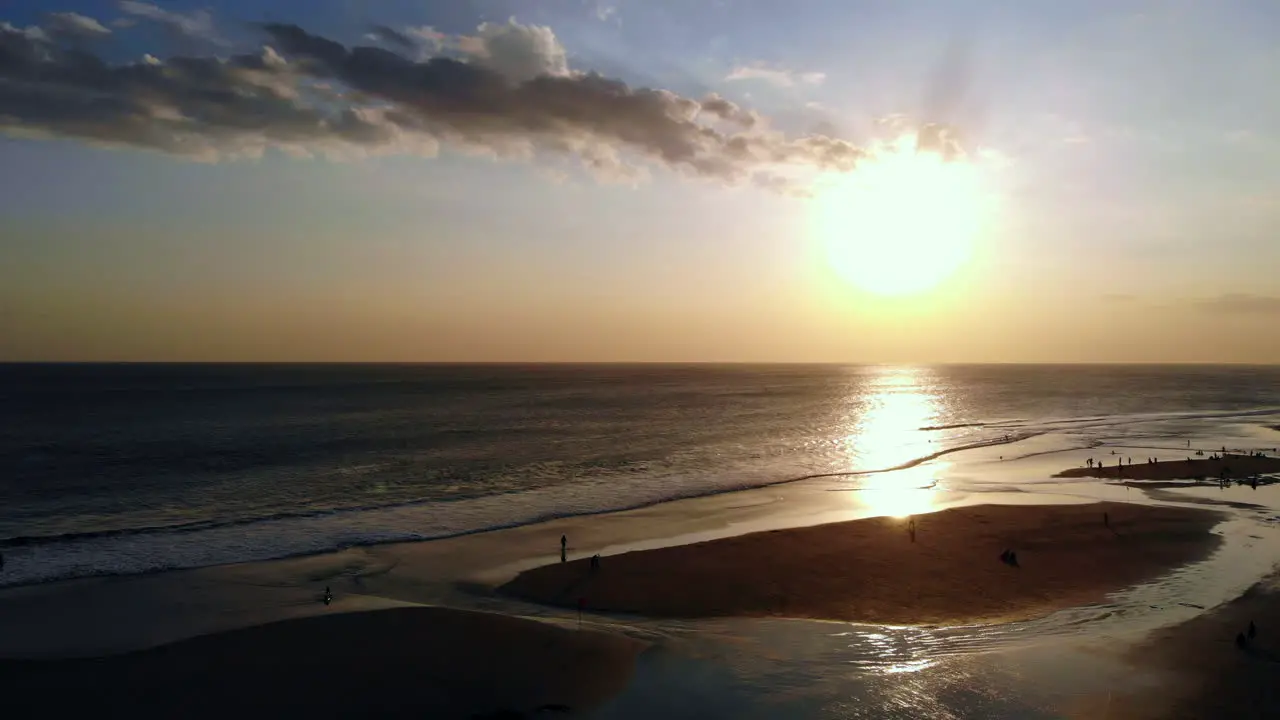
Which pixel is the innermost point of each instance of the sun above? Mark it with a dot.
(903, 222)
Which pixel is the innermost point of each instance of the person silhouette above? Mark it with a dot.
(564, 546)
(328, 595)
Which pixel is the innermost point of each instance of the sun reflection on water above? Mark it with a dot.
(906, 492)
(887, 431)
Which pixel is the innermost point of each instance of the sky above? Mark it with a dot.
(618, 180)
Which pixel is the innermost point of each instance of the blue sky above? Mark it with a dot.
(1131, 146)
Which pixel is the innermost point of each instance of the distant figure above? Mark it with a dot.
(911, 528)
(1241, 642)
(1253, 630)
(1106, 520)
(564, 546)
(328, 595)
(1, 562)
(1013, 558)
(1089, 462)
(1188, 443)
(595, 563)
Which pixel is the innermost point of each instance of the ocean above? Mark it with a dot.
(131, 468)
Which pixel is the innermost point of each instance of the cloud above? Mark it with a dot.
(1240, 304)
(506, 91)
(197, 24)
(517, 52)
(775, 76)
(71, 24)
(608, 13)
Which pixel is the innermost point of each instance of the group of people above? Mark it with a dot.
(564, 554)
(1244, 638)
(1009, 557)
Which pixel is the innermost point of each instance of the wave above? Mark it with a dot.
(953, 426)
(291, 534)
(204, 525)
(133, 550)
(200, 525)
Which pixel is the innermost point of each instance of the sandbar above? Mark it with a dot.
(1235, 467)
(405, 662)
(871, 570)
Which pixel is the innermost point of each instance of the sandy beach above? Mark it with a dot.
(408, 662)
(870, 570)
(1235, 467)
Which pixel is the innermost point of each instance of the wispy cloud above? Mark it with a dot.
(1240, 304)
(780, 77)
(75, 25)
(197, 24)
(606, 12)
(505, 90)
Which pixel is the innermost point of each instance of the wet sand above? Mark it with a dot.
(870, 570)
(1206, 674)
(1236, 467)
(406, 662)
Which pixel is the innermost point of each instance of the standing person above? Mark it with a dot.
(911, 528)
(564, 545)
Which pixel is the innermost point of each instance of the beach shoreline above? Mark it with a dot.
(157, 612)
(873, 570)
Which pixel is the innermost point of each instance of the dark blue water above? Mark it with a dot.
(127, 468)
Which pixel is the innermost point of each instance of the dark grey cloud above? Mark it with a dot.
(1240, 304)
(507, 90)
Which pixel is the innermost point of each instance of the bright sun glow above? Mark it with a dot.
(903, 222)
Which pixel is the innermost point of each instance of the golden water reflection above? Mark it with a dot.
(906, 492)
(886, 432)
